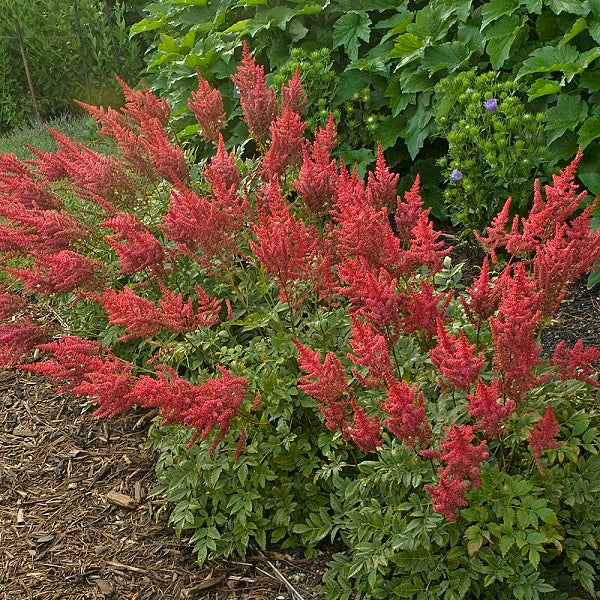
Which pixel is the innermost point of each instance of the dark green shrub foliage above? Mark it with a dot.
(319, 369)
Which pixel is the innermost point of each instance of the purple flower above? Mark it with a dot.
(455, 175)
(491, 105)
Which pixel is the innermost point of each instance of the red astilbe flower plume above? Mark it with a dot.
(172, 394)
(516, 351)
(99, 177)
(408, 211)
(326, 382)
(484, 407)
(222, 170)
(495, 234)
(456, 358)
(408, 420)
(207, 224)
(39, 231)
(541, 437)
(20, 184)
(207, 105)
(140, 316)
(285, 246)
(293, 96)
(363, 231)
(482, 299)
(448, 496)
(137, 249)
(216, 403)
(141, 105)
(64, 271)
(372, 294)
(130, 143)
(259, 103)
(167, 157)
(179, 315)
(316, 183)
(423, 308)
(73, 358)
(425, 247)
(110, 386)
(575, 363)
(10, 304)
(287, 135)
(371, 351)
(18, 339)
(366, 432)
(382, 184)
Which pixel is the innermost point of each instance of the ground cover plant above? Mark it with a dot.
(319, 368)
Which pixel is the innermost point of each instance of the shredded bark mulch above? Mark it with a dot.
(77, 521)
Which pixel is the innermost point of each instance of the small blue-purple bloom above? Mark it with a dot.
(491, 105)
(455, 175)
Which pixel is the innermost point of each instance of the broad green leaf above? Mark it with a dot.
(497, 8)
(568, 113)
(405, 44)
(590, 80)
(587, 58)
(349, 29)
(416, 81)
(449, 55)
(279, 16)
(543, 87)
(297, 30)
(589, 131)
(594, 29)
(462, 9)
(143, 26)
(502, 36)
(579, 26)
(239, 26)
(532, 6)
(419, 126)
(595, 7)
(549, 59)
(169, 44)
(575, 7)
(371, 65)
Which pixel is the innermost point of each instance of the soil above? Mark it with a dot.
(77, 521)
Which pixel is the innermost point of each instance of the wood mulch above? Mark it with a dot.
(77, 521)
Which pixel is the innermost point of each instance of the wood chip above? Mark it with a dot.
(122, 500)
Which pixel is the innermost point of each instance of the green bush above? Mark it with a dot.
(319, 368)
(396, 52)
(72, 50)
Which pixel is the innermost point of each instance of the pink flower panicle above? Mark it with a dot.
(64, 271)
(425, 247)
(259, 103)
(541, 437)
(456, 358)
(382, 184)
(408, 420)
(222, 170)
(207, 105)
(18, 338)
(366, 430)
(462, 461)
(370, 351)
(73, 358)
(408, 211)
(575, 363)
(293, 96)
(137, 249)
(318, 173)
(287, 135)
(10, 304)
(372, 294)
(216, 404)
(326, 382)
(423, 308)
(142, 105)
(285, 246)
(179, 315)
(482, 299)
(484, 407)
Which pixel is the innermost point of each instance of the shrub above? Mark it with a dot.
(318, 367)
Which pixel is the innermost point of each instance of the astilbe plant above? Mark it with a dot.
(317, 370)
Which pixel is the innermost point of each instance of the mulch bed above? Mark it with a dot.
(76, 519)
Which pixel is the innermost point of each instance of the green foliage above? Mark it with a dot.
(398, 51)
(497, 153)
(72, 50)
